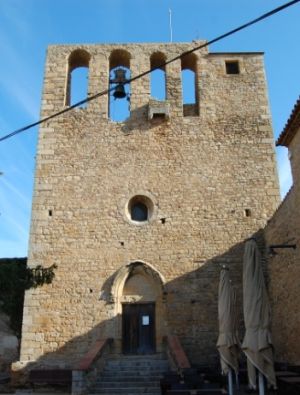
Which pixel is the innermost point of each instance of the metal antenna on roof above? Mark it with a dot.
(170, 21)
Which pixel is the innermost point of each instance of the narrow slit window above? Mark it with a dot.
(247, 212)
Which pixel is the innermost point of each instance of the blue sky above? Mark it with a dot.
(28, 27)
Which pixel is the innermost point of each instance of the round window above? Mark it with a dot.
(140, 209)
(139, 212)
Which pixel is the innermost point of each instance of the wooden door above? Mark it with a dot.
(139, 328)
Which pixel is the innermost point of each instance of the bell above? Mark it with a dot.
(119, 92)
(120, 75)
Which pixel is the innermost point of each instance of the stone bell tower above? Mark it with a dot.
(138, 214)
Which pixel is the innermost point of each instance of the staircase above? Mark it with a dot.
(132, 375)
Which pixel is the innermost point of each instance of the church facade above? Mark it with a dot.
(139, 215)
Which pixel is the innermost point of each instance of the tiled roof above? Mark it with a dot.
(291, 126)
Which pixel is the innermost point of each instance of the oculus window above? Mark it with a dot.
(140, 209)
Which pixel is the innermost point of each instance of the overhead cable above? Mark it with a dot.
(106, 91)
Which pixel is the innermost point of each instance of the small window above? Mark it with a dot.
(139, 212)
(232, 67)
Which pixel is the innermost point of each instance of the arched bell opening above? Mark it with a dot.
(158, 79)
(138, 295)
(119, 86)
(190, 91)
(78, 77)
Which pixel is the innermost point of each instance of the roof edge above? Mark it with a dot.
(291, 127)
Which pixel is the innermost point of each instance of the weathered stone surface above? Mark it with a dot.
(201, 174)
(284, 268)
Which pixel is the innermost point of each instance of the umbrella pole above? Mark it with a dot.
(261, 384)
(230, 382)
(237, 383)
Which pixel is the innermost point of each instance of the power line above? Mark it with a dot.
(106, 91)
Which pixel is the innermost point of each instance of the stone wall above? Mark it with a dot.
(211, 180)
(294, 152)
(284, 268)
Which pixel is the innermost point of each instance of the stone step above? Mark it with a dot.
(128, 390)
(111, 384)
(156, 356)
(131, 375)
(134, 364)
(128, 393)
(132, 372)
(138, 371)
(127, 378)
(145, 370)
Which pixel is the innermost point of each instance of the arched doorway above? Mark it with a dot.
(138, 291)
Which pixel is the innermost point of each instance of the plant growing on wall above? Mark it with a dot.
(15, 278)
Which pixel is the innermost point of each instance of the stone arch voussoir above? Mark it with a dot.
(128, 270)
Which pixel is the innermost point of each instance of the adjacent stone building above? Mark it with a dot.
(284, 267)
(139, 215)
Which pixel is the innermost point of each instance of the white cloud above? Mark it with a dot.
(23, 197)
(21, 232)
(12, 81)
(13, 71)
(14, 225)
(20, 93)
(15, 14)
(3, 125)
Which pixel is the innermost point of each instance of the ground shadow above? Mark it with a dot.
(191, 313)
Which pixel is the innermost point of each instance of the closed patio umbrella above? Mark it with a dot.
(228, 342)
(257, 343)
